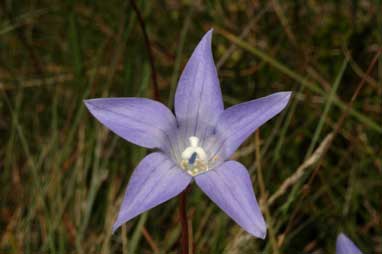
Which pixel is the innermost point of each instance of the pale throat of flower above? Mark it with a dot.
(194, 158)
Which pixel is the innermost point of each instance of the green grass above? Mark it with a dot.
(63, 175)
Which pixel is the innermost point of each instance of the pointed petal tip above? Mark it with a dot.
(285, 95)
(116, 226)
(258, 230)
(207, 38)
(341, 235)
(86, 101)
(89, 102)
(262, 234)
(261, 229)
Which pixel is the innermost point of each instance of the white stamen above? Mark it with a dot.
(194, 148)
(197, 165)
(194, 141)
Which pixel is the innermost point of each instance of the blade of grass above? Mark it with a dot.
(137, 234)
(283, 132)
(328, 104)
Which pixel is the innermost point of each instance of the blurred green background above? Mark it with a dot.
(63, 174)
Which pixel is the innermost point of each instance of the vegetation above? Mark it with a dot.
(63, 175)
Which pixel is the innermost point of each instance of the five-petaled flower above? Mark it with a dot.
(195, 144)
(345, 246)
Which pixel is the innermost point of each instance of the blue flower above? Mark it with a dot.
(345, 246)
(195, 144)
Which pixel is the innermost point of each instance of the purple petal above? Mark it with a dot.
(155, 180)
(141, 121)
(230, 187)
(238, 122)
(198, 99)
(345, 246)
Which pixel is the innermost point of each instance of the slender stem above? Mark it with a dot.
(183, 220)
(149, 49)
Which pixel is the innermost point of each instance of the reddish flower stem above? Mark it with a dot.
(183, 221)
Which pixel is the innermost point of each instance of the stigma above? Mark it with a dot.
(194, 158)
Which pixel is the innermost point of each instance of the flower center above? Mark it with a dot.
(194, 158)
